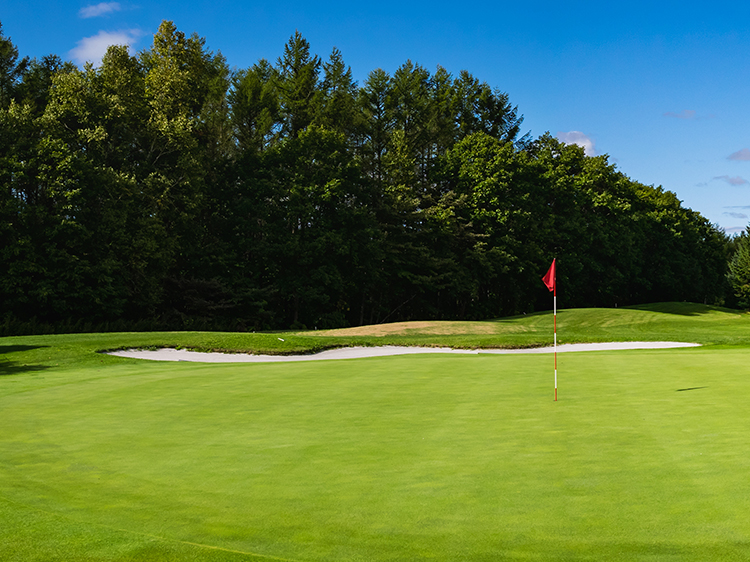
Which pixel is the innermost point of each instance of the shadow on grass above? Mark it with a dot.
(18, 348)
(10, 367)
(682, 308)
(16, 368)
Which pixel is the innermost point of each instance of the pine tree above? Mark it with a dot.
(739, 270)
(11, 69)
(298, 86)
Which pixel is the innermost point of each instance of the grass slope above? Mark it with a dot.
(644, 457)
(666, 321)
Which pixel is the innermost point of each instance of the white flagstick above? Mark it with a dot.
(555, 314)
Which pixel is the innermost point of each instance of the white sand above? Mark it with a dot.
(361, 352)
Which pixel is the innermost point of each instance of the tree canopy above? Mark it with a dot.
(163, 189)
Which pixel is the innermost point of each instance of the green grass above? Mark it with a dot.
(644, 457)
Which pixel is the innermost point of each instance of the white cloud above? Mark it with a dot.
(736, 180)
(742, 155)
(99, 9)
(735, 215)
(579, 138)
(92, 49)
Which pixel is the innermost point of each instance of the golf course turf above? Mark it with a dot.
(645, 456)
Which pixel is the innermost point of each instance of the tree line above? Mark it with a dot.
(166, 190)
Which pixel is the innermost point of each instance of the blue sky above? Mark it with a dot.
(661, 87)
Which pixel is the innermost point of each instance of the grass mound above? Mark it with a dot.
(662, 321)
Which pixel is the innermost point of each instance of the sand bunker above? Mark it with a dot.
(383, 351)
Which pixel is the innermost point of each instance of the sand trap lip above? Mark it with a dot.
(168, 354)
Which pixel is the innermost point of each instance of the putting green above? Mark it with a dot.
(645, 457)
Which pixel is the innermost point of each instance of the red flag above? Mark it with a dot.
(551, 279)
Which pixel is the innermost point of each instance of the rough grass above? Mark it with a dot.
(645, 456)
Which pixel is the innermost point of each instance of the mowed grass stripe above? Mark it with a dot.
(403, 458)
(70, 522)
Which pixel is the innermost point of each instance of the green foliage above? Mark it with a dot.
(298, 87)
(164, 190)
(11, 69)
(739, 270)
(338, 111)
(255, 107)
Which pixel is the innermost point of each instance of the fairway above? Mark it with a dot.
(644, 457)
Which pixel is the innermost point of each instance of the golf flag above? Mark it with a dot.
(550, 279)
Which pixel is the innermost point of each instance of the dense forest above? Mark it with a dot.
(166, 190)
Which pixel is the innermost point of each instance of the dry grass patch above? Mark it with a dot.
(431, 328)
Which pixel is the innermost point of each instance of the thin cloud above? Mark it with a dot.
(688, 115)
(737, 207)
(97, 10)
(736, 180)
(684, 114)
(735, 215)
(92, 49)
(734, 229)
(579, 138)
(741, 155)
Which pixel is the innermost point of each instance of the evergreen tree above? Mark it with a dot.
(411, 103)
(338, 111)
(254, 103)
(11, 69)
(739, 270)
(377, 122)
(299, 91)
